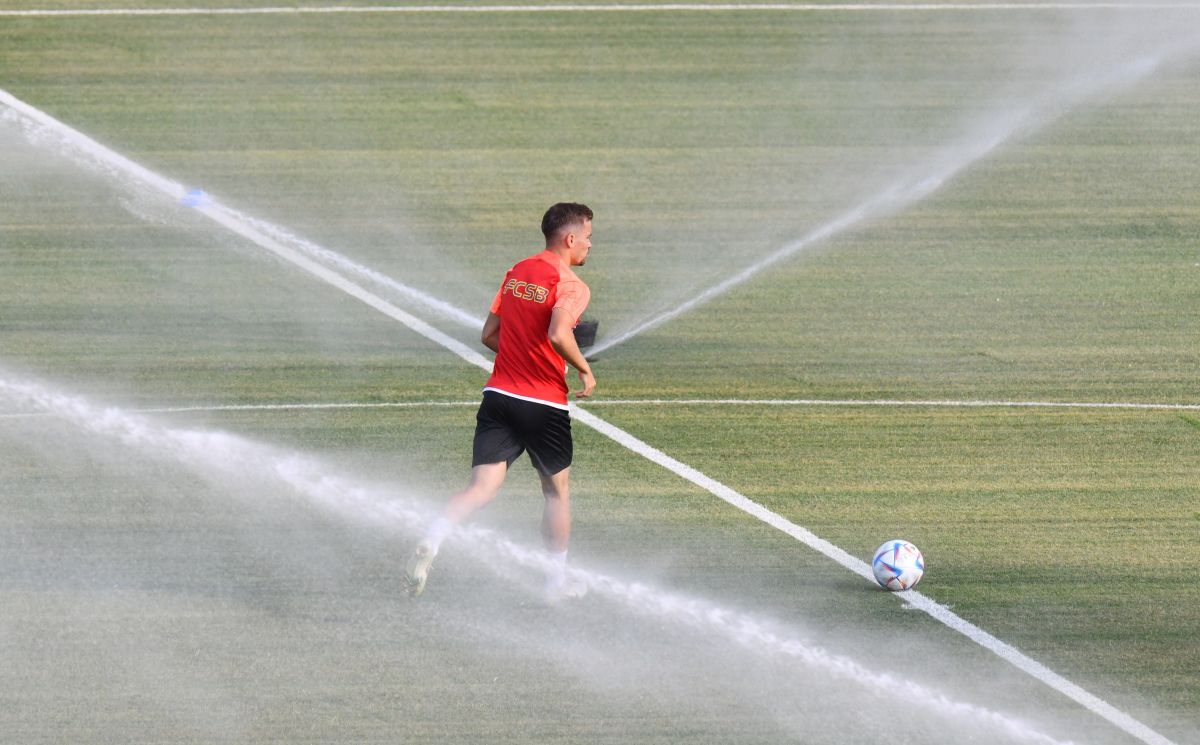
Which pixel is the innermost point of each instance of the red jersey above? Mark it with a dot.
(527, 366)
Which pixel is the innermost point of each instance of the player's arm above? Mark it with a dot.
(491, 333)
(562, 337)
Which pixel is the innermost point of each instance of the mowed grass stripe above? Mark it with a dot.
(299, 406)
(591, 8)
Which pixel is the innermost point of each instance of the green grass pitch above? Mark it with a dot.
(144, 601)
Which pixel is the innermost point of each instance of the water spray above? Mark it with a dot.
(912, 189)
(397, 513)
(42, 130)
(210, 452)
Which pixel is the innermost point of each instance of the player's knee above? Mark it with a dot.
(485, 493)
(553, 485)
(556, 491)
(479, 494)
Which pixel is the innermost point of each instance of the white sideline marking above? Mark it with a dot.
(849, 402)
(237, 224)
(814, 402)
(592, 8)
(439, 307)
(240, 225)
(270, 407)
(295, 407)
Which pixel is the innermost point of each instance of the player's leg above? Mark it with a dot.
(556, 533)
(485, 483)
(496, 445)
(556, 515)
(494, 449)
(551, 449)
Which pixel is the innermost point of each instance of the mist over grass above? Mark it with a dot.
(411, 150)
(1062, 63)
(249, 544)
(702, 154)
(156, 304)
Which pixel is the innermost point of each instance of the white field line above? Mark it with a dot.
(425, 300)
(602, 8)
(798, 402)
(219, 452)
(271, 407)
(238, 225)
(849, 402)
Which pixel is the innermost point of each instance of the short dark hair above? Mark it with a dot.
(561, 215)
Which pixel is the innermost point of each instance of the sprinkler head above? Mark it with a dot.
(585, 333)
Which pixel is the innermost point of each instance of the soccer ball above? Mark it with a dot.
(898, 565)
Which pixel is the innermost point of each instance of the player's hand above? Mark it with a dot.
(589, 384)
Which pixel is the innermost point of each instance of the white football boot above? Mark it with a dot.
(417, 570)
(563, 586)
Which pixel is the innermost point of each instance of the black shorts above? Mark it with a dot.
(505, 427)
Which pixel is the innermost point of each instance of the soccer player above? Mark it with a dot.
(531, 330)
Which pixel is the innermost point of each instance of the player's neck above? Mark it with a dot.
(562, 252)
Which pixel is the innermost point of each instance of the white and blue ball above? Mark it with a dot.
(898, 565)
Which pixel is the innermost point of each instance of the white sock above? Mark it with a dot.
(558, 567)
(438, 530)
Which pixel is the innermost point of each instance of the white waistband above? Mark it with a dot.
(555, 404)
